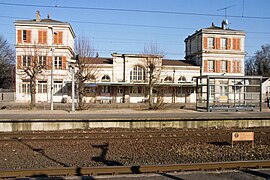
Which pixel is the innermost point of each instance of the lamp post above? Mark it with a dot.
(73, 88)
(52, 68)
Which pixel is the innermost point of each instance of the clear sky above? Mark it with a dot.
(126, 26)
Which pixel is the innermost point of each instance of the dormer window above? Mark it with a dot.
(182, 79)
(168, 79)
(106, 78)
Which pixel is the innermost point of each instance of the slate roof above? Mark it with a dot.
(98, 60)
(167, 62)
(46, 20)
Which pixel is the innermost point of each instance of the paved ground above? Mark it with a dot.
(16, 111)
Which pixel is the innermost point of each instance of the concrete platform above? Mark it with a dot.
(17, 119)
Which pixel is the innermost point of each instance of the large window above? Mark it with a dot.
(223, 43)
(223, 90)
(224, 66)
(42, 60)
(58, 62)
(210, 42)
(25, 88)
(211, 65)
(42, 86)
(26, 61)
(105, 89)
(137, 74)
(57, 87)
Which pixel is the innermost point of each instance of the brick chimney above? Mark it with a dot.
(38, 16)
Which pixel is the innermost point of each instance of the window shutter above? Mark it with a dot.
(64, 62)
(229, 41)
(237, 44)
(205, 66)
(234, 44)
(217, 43)
(55, 39)
(238, 66)
(60, 38)
(39, 37)
(217, 67)
(205, 43)
(234, 67)
(19, 36)
(19, 62)
(49, 63)
(44, 37)
(229, 67)
(28, 36)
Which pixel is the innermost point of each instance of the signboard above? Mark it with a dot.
(243, 136)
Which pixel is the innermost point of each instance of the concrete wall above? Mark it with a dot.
(7, 96)
(51, 126)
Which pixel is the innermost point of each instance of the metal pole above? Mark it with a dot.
(73, 90)
(52, 68)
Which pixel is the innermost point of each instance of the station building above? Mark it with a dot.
(122, 77)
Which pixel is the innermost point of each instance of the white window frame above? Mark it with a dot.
(210, 42)
(58, 62)
(137, 74)
(224, 65)
(25, 87)
(26, 61)
(42, 87)
(42, 60)
(57, 87)
(211, 65)
(223, 43)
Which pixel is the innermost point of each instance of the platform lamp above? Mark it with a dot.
(52, 64)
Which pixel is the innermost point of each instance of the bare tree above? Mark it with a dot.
(32, 67)
(250, 69)
(86, 68)
(7, 61)
(152, 63)
(260, 63)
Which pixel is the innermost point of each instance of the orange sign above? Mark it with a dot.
(243, 136)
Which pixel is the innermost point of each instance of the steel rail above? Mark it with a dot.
(124, 136)
(113, 170)
(127, 133)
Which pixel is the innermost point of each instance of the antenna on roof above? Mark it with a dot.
(225, 9)
(225, 21)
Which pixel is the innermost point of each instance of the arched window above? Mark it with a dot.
(137, 74)
(182, 79)
(168, 79)
(105, 78)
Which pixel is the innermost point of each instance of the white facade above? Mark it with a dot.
(37, 38)
(122, 77)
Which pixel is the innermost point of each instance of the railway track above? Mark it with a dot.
(115, 170)
(156, 134)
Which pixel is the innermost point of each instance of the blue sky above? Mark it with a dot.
(129, 31)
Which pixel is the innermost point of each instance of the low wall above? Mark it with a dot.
(53, 126)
